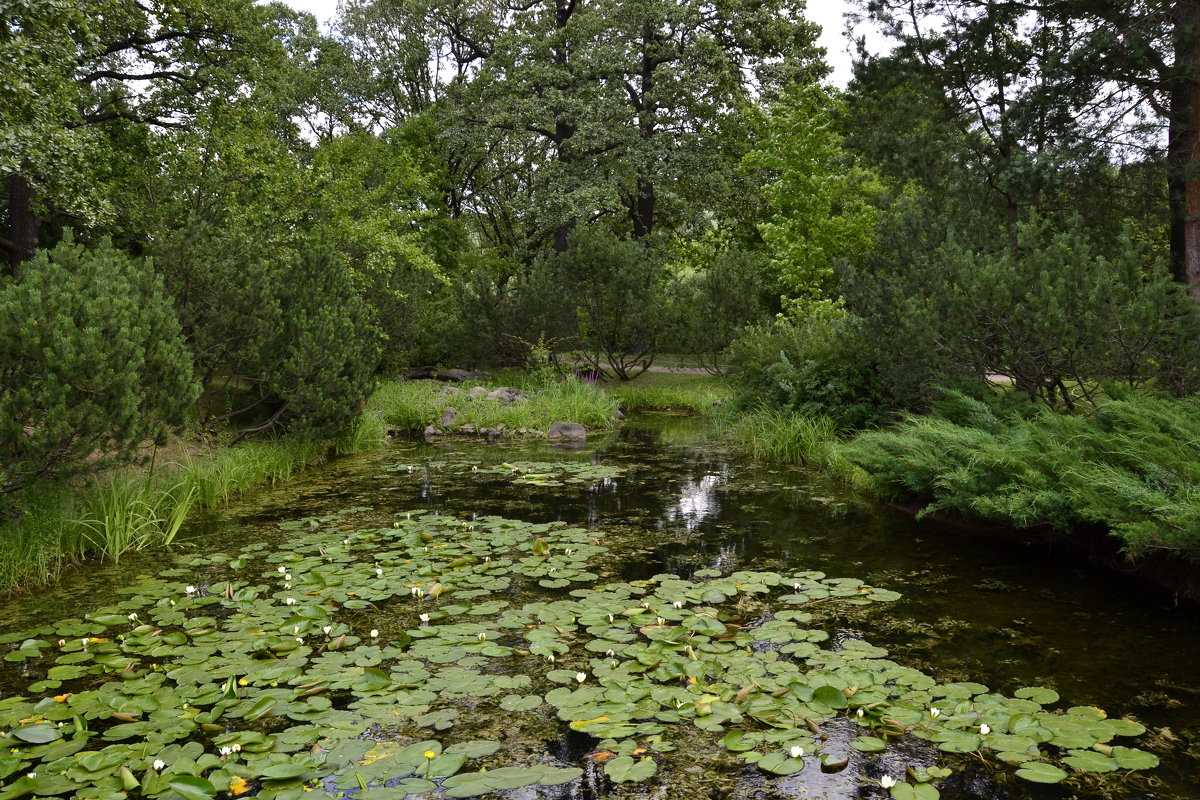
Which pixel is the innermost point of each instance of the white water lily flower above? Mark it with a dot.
(550, 658)
(85, 641)
(347, 541)
(291, 601)
(225, 751)
(133, 616)
(287, 586)
(287, 576)
(645, 605)
(424, 618)
(282, 569)
(379, 572)
(487, 559)
(189, 590)
(568, 551)
(328, 629)
(610, 617)
(662, 621)
(678, 604)
(935, 712)
(609, 653)
(482, 636)
(31, 775)
(859, 713)
(62, 642)
(300, 639)
(374, 633)
(158, 764)
(795, 587)
(395, 524)
(235, 747)
(416, 591)
(985, 729)
(581, 676)
(796, 751)
(887, 781)
(295, 629)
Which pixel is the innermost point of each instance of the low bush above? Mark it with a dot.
(813, 364)
(92, 363)
(1129, 464)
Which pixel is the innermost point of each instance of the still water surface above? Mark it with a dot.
(986, 611)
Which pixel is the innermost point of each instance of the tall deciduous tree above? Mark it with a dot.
(81, 69)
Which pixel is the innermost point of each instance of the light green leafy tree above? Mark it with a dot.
(821, 207)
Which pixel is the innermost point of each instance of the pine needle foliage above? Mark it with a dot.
(1129, 464)
(92, 362)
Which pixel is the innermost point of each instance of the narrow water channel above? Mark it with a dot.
(984, 611)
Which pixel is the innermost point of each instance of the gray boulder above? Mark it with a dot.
(567, 430)
(505, 394)
(459, 375)
(432, 431)
(448, 415)
(476, 392)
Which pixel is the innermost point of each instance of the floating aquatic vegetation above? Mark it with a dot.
(361, 659)
(534, 473)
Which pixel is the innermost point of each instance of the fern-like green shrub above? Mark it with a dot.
(1132, 464)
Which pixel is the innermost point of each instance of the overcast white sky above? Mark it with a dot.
(826, 13)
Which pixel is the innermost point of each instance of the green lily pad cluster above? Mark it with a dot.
(546, 473)
(361, 660)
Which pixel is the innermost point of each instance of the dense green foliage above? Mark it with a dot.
(1055, 313)
(1129, 464)
(998, 203)
(91, 362)
(815, 363)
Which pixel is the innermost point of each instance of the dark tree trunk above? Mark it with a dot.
(643, 209)
(23, 224)
(1183, 148)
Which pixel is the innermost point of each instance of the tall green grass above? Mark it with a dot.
(221, 476)
(63, 525)
(412, 405)
(783, 437)
(662, 391)
(130, 513)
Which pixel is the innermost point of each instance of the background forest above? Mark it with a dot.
(217, 213)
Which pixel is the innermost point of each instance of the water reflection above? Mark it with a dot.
(697, 502)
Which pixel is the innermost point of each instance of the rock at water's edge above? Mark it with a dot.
(567, 430)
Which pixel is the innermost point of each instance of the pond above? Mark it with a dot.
(645, 617)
